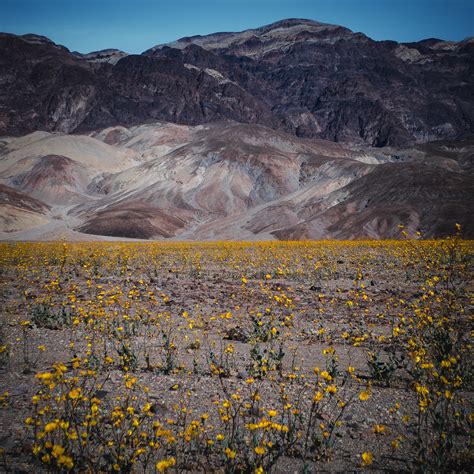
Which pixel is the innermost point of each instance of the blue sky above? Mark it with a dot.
(136, 25)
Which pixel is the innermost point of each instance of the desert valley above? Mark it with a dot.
(241, 252)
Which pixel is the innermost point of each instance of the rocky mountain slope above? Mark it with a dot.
(303, 77)
(227, 180)
(295, 130)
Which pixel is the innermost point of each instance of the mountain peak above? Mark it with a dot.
(256, 42)
(290, 22)
(37, 39)
(110, 55)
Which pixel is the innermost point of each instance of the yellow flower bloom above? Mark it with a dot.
(57, 450)
(50, 427)
(363, 396)
(44, 376)
(260, 450)
(325, 375)
(229, 453)
(75, 393)
(162, 466)
(66, 462)
(318, 397)
(367, 458)
(379, 429)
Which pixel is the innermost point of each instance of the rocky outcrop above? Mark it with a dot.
(111, 56)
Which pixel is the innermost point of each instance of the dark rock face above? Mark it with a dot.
(43, 87)
(303, 77)
(143, 88)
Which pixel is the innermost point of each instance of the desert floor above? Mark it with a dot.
(236, 357)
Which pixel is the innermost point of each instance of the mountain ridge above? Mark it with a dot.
(303, 77)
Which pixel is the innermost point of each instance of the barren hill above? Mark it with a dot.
(227, 180)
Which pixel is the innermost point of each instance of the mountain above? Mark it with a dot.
(111, 56)
(295, 130)
(306, 78)
(228, 180)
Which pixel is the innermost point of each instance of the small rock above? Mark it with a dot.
(235, 333)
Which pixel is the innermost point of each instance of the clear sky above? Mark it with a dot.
(136, 25)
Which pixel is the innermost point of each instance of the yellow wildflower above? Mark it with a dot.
(367, 458)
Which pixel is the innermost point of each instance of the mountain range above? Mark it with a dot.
(295, 130)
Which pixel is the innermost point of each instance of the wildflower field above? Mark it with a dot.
(236, 357)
